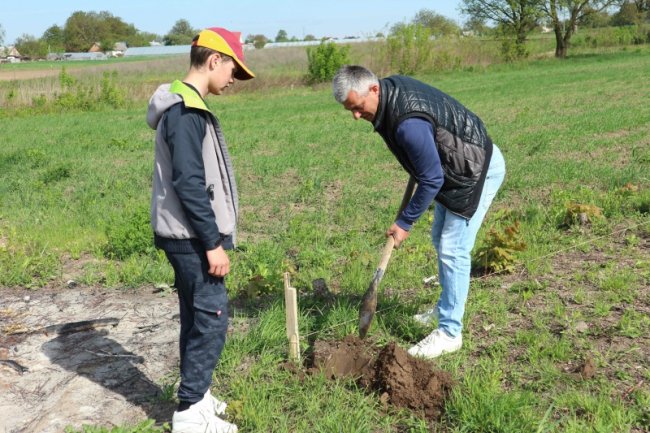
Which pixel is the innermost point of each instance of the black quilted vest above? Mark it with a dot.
(463, 144)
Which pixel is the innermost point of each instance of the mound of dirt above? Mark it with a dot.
(401, 380)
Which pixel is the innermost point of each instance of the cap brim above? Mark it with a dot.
(243, 73)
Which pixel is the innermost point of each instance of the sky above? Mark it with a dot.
(335, 18)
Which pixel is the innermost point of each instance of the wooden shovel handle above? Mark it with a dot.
(390, 242)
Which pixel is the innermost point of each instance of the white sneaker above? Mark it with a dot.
(435, 344)
(199, 418)
(218, 406)
(427, 317)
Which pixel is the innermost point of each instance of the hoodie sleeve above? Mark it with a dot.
(185, 129)
(415, 136)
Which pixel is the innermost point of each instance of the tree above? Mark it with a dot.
(310, 38)
(29, 46)
(642, 6)
(630, 13)
(259, 41)
(595, 19)
(477, 26)
(181, 33)
(437, 24)
(81, 31)
(144, 39)
(2, 35)
(514, 17)
(565, 15)
(281, 36)
(53, 38)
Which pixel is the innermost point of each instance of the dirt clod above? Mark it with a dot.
(397, 377)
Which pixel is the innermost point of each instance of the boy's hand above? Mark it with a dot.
(218, 262)
(398, 234)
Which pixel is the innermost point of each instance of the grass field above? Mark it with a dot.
(318, 190)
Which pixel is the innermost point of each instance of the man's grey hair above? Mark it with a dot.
(352, 77)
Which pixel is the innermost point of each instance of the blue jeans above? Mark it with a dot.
(203, 303)
(453, 238)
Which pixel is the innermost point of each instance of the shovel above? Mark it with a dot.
(369, 301)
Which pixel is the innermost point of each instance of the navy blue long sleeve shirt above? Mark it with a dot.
(415, 136)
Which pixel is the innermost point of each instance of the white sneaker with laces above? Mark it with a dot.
(427, 317)
(200, 418)
(435, 344)
(218, 406)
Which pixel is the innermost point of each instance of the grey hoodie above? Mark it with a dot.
(202, 204)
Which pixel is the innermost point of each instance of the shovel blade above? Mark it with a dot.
(368, 308)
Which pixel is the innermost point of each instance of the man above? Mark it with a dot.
(446, 148)
(194, 214)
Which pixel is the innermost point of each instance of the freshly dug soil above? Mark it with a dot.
(402, 380)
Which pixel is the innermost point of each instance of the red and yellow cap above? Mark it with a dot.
(226, 42)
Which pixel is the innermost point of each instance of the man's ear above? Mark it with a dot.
(374, 88)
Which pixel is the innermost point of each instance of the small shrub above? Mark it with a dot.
(39, 101)
(497, 253)
(581, 214)
(110, 94)
(56, 174)
(66, 80)
(409, 49)
(512, 51)
(325, 60)
(129, 234)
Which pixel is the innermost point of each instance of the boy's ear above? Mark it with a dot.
(214, 60)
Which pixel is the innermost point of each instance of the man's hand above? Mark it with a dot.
(398, 234)
(218, 262)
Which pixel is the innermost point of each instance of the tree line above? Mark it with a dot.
(513, 20)
(517, 18)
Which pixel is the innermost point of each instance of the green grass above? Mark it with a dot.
(318, 190)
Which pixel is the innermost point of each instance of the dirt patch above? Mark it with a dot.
(16, 75)
(57, 370)
(399, 378)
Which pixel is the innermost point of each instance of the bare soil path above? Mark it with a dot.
(109, 374)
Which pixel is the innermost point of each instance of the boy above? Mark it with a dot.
(194, 214)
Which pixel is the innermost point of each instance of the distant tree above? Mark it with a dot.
(249, 39)
(437, 24)
(310, 38)
(2, 35)
(514, 17)
(595, 19)
(398, 28)
(259, 41)
(565, 15)
(144, 39)
(380, 35)
(81, 31)
(629, 13)
(53, 39)
(281, 36)
(477, 26)
(642, 6)
(180, 34)
(28, 45)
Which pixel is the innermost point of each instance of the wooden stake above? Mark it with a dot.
(291, 304)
